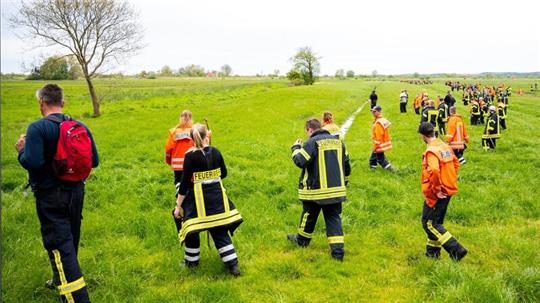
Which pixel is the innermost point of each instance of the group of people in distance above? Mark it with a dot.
(202, 202)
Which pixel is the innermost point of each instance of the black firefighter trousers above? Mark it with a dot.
(222, 241)
(60, 213)
(334, 229)
(438, 236)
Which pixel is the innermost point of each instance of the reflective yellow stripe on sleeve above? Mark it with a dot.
(302, 152)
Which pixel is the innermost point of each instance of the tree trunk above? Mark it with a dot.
(93, 95)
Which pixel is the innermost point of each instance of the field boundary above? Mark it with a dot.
(348, 123)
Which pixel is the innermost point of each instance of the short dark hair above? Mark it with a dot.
(51, 94)
(426, 129)
(313, 123)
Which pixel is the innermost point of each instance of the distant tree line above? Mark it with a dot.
(191, 70)
(57, 68)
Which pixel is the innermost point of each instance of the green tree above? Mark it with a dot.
(54, 68)
(340, 73)
(350, 74)
(226, 70)
(306, 62)
(166, 71)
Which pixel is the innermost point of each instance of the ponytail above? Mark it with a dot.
(185, 119)
(198, 134)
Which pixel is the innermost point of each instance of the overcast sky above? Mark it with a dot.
(391, 37)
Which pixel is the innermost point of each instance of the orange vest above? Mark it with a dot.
(177, 144)
(443, 176)
(332, 128)
(418, 102)
(380, 135)
(456, 135)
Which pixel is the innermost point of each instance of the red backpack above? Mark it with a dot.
(73, 158)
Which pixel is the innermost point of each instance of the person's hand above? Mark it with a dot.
(178, 212)
(20, 143)
(298, 142)
(441, 195)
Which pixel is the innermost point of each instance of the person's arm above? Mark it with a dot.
(434, 173)
(186, 181)
(346, 163)
(32, 157)
(169, 146)
(221, 163)
(302, 156)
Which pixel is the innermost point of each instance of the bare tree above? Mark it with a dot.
(96, 32)
(307, 62)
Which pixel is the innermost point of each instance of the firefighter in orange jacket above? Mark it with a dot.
(457, 134)
(439, 183)
(418, 103)
(381, 140)
(178, 142)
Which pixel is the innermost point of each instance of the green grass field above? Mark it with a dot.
(129, 249)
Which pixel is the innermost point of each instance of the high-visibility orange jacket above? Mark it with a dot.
(456, 135)
(332, 128)
(439, 171)
(380, 135)
(418, 102)
(177, 144)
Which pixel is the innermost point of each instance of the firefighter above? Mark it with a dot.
(492, 132)
(443, 116)
(475, 112)
(325, 171)
(203, 204)
(439, 183)
(381, 140)
(329, 125)
(373, 98)
(466, 97)
(59, 202)
(484, 110)
(502, 110)
(178, 142)
(457, 134)
(430, 114)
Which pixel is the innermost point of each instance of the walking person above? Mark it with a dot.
(373, 98)
(439, 183)
(382, 142)
(457, 134)
(403, 99)
(59, 153)
(325, 170)
(203, 204)
(178, 142)
(329, 125)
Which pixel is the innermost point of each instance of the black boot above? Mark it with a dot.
(191, 264)
(455, 250)
(433, 252)
(295, 239)
(234, 270)
(459, 254)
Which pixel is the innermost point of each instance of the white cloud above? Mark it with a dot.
(390, 36)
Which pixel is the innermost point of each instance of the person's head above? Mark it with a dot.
(312, 125)
(376, 111)
(452, 110)
(51, 98)
(198, 134)
(492, 108)
(427, 131)
(448, 92)
(430, 103)
(373, 92)
(185, 118)
(328, 117)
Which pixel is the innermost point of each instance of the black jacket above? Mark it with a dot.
(325, 168)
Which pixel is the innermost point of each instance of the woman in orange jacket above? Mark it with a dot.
(178, 142)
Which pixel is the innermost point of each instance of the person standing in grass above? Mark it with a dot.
(203, 204)
(178, 142)
(418, 103)
(325, 170)
(382, 142)
(373, 98)
(439, 183)
(457, 134)
(59, 186)
(430, 114)
(492, 132)
(443, 116)
(403, 99)
(329, 125)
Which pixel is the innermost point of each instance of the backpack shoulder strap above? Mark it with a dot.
(57, 120)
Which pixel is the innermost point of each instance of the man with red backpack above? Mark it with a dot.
(59, 154)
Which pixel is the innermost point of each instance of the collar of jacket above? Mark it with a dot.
(319, 132)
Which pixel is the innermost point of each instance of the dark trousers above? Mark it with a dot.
(442, 128)
(503, 123)
(475, 119)
(459, 155)
(222, 241)
(380, 159)
(177, 178)
(334, 230)
(60, 213)
(438, 236)
(402, 107)
(373, 103)
(417, 110)
(489, 143)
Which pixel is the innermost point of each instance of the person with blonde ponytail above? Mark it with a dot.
(329, 125)
(178, 142)
(203, 204)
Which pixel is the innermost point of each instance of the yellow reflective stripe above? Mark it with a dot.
(340, 164)
(441, 238)
(305, 234)
(322, 196)
(226, 205)
(60, 268)
(199, 200)
(447, 236)
(304, 220)
(72, 286)
(322, 169)
(322, 190)
(302, 152)
(196, 224)
(304, 181)
(336, 240)
(433, 243)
